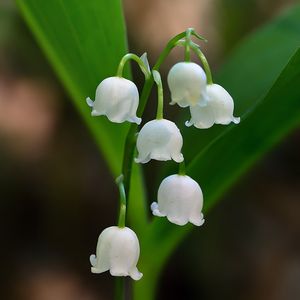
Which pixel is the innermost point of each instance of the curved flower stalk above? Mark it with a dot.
(187, 83)
(160, 140)
(118, 99)
(180, 199)
(118, 251)
(219, 109)
(118, 248)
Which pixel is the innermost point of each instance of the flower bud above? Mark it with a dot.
(160, 140)
(219, 109)
(187, 83)
(118, 251)
(180, 199)
(118, 99)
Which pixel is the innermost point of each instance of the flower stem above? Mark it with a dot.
(134, 57)
(187, 52)
(122, 213)
(131, 135)
(120, 281)
(204, 62)
(181, 169)
(160, 95)
(119, 288)
(130, 141)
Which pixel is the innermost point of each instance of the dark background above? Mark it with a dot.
(57, 194)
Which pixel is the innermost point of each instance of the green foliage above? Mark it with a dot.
(262, 74)
(84, 46)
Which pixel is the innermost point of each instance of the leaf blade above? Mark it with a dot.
(84, 46)
(71, 40)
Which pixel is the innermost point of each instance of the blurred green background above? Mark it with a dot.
(57, 193)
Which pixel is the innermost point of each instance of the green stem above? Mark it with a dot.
(134, 57)
(145, 288)
(181, 169)
(120, 281)
(160, 95)
(187, 53)
(119, 288)
(204, 62)
(131, 136)
(122, 213)
(130, 143)
(148, 287)
(197, 35)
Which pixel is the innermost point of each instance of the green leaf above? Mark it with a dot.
(84, 46)
(85, 41)
(269, 110)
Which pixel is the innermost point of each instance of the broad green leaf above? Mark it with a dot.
(84, 42)
(84, 46)
(265, 86)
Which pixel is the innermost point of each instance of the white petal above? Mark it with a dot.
(143, 159)
(118, 250)
(219, 109)
(134, 119)
(180, 199)
(93, 260)
(89, 102)
(178, 220)
(187, 83)
(100, 261)
(95, 113)
(201, 117)
(118, 99)
(135, 274)
(197, 220)
(236, 120)
(222, 104)
(160, 140)
(155, 210)
(178, 157)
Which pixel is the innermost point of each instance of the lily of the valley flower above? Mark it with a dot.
(219, 109)
(160, 140)
(187, 83)
(118, 99)
(118, 251)
(180, 199)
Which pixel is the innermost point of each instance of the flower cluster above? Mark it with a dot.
(179, 197)
(209, 103)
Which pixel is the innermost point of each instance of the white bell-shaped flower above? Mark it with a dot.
(118, 99)
(118, 251)
(187, 83)
(180, 199)
(160, 140)
(219, 109)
